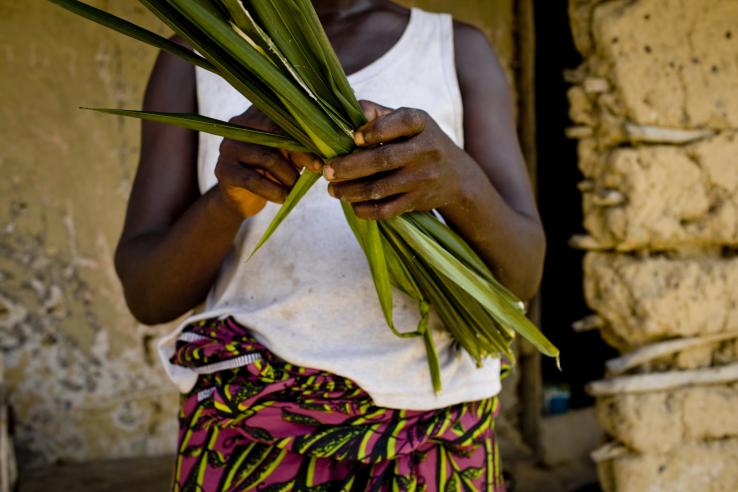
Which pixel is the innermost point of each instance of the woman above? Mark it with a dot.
(291, 378)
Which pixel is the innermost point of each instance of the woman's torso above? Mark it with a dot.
(308, 294)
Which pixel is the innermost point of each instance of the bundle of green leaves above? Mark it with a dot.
(277, 55)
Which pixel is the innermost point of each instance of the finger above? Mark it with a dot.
(270, 160)
(401, 123)
(385, 209)
(256, 183)
(372, 110)
(233, 174)
(370, 161)
(256, 120)
(361, 190)
(303, 159)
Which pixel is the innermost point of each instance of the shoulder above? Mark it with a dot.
(166, 62)
(477, 64)
(469, 35)
(171, 86)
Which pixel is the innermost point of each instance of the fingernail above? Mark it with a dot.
(359, 138)
(328, 172)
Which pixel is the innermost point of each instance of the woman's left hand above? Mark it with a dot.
(405, 163)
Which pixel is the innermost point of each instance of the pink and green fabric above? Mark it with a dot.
(256, 422)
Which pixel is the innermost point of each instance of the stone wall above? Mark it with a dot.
(655, 108)
(81, 373)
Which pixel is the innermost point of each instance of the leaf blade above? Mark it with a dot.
(447, 265)
(192, 121)
(321, 129)
(306, 180)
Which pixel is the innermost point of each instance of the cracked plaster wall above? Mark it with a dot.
(80, 371)
(655, 110)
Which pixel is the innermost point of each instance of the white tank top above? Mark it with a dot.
(308, 294)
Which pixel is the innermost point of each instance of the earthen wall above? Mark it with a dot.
(655, 109)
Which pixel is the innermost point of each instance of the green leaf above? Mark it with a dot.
(380, 273)
(452, 242)
(485, 293)
(297, 32)
(336, 76)
(246, 26)
(212, 126)
(306, 112)
(304, 183)
(239, 15)
(302, 62)
(399, 274)
(368, 235)
(357, 227)
(132, 30)
(240, 79)
(484, 335)
(432, 355)
(423, 277)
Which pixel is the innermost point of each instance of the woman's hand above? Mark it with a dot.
(250, 175)
(406, 163)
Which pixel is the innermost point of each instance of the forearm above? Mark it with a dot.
(165, 273)
(509, 242)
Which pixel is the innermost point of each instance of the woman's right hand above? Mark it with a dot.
(249, 175)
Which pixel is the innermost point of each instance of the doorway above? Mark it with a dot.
(561, 297)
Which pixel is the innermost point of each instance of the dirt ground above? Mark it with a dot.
(139, 475)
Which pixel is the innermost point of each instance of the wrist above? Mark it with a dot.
(468, 190)
(221, 208)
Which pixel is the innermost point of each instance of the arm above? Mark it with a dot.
(496, 215)
(174, 240)
(482, 191)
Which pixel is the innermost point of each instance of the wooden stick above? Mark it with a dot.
(7, 458)
(608, 198)
(655, 134)
(588, 323)
(654, 351)
(585, 242)
(608, 451)
(642, 383)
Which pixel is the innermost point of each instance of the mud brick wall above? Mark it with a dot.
(655, 110)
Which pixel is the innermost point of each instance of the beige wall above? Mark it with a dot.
(80, 371)
(495, 17)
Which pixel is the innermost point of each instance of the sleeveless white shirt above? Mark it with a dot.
(308, 295)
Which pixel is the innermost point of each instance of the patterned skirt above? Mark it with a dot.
(257, 422)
